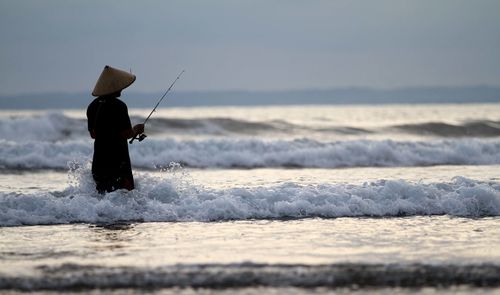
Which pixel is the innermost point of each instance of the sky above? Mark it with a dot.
(254, 45)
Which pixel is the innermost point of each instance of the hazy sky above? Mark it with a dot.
(249, 45)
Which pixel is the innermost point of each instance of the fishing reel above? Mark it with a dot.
(139, 137)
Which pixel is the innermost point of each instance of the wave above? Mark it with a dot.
(175, 198)
(228, 126)
(468, 129)
(52, 127)
(305, 153)
(253, 153)
(48, 127)
(231, 126)
(58, 127)
(70, 276)
(42, 155)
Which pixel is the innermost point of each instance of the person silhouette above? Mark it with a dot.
(110, 127)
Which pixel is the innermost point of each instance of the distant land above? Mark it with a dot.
(413, 95)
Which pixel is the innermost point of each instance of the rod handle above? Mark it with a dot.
(140, 138)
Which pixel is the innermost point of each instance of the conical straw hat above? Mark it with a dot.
(112, 80)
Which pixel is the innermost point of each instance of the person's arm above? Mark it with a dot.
(125, 124)
(136, 130)
(91, 119)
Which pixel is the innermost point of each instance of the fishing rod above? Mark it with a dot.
(143, 136)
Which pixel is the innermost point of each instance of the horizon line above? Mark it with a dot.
(311, 89)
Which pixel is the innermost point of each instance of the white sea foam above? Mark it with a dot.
(42, 155)
(310, 153)
(250, 153)
(175, 198)
(48, 127)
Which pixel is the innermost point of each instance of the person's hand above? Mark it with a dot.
(139, 128)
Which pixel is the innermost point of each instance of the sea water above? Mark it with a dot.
(285, 199)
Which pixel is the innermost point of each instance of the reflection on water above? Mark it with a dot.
(387, 251)
(114, 226)
(438, 239)
(112, 236)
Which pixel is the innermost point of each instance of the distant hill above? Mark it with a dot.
(472, 94)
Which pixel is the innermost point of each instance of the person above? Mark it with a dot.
(109, 125)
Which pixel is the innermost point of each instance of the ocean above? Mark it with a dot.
(364, 199)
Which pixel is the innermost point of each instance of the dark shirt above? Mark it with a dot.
(107, 120)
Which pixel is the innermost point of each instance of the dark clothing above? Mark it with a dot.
(107, 119)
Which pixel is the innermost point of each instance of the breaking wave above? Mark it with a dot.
(231, 126)
(68, 277)
(57, 126)
(468, 129)
(253, 153)
(48, 127)
(221, 126)
(176, 198)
